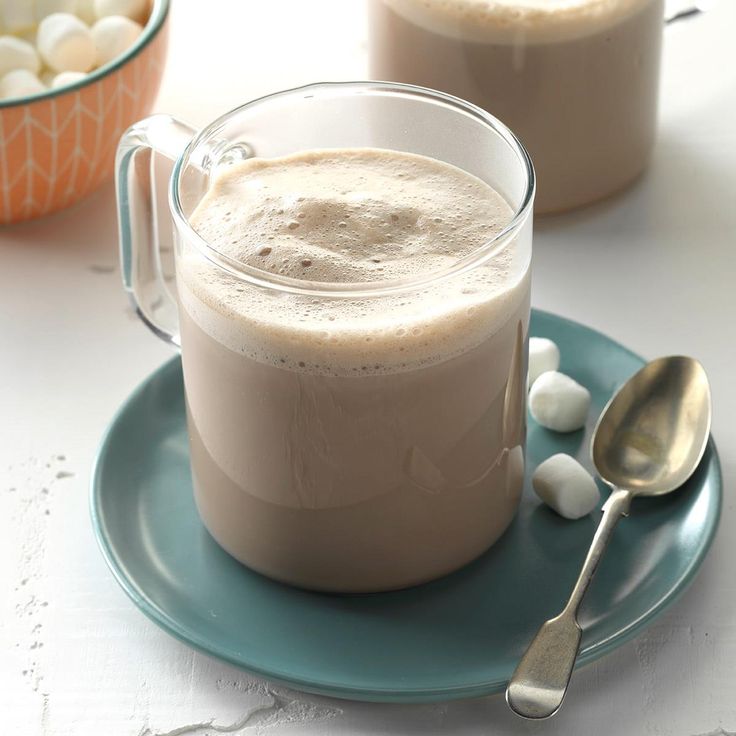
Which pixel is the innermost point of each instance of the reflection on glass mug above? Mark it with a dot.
(577, 80)
(352, 278)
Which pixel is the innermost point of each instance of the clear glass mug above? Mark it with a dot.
(343, 436)
(577, 82)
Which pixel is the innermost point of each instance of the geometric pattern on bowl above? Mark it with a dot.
(56, 150)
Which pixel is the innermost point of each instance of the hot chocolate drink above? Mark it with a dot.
(346, 434)
(576, 80)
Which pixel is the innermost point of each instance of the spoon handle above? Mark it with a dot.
(539, 683)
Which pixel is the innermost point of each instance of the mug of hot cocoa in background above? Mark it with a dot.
(352, 306)
(576, 80)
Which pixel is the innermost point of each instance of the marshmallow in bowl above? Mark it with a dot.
(113, 35)
(20, 83)
(566, 486)
(544, 355)
(52, 37)
(558, 402)
(133, 9)
(17, 54)
(65, 43)
(64, 79)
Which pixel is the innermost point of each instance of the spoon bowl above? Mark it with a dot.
(652, 434)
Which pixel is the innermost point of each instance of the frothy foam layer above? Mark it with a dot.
(357, 215)
(516, 21)
(349, 216)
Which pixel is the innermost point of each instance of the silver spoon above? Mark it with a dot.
(647, 442)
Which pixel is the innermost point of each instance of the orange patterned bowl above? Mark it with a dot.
(58, 146)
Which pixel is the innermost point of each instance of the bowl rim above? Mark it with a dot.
(159, 13)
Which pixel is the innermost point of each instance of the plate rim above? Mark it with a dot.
(321, 686)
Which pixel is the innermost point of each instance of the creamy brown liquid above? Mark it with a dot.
(362, 443)
(576, 80)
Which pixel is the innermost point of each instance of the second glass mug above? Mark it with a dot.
(343, 436)
(577, 81)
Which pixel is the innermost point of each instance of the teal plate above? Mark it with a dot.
(457, 637)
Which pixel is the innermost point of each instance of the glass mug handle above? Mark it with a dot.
(137, 218)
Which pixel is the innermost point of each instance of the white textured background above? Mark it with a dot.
(655, 269)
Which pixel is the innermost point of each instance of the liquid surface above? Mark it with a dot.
(350, 216)
(516, 21)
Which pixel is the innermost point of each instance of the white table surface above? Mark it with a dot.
(654, 268)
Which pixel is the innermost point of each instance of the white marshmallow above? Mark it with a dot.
(64, 79)
(544, 355)
(17, 15)
(47, 7)
(20, 83)
(17, 54)
(133, 9)
(558, 402)
(65, 43)
(86, 11)
(113, 35)
(566, 486)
